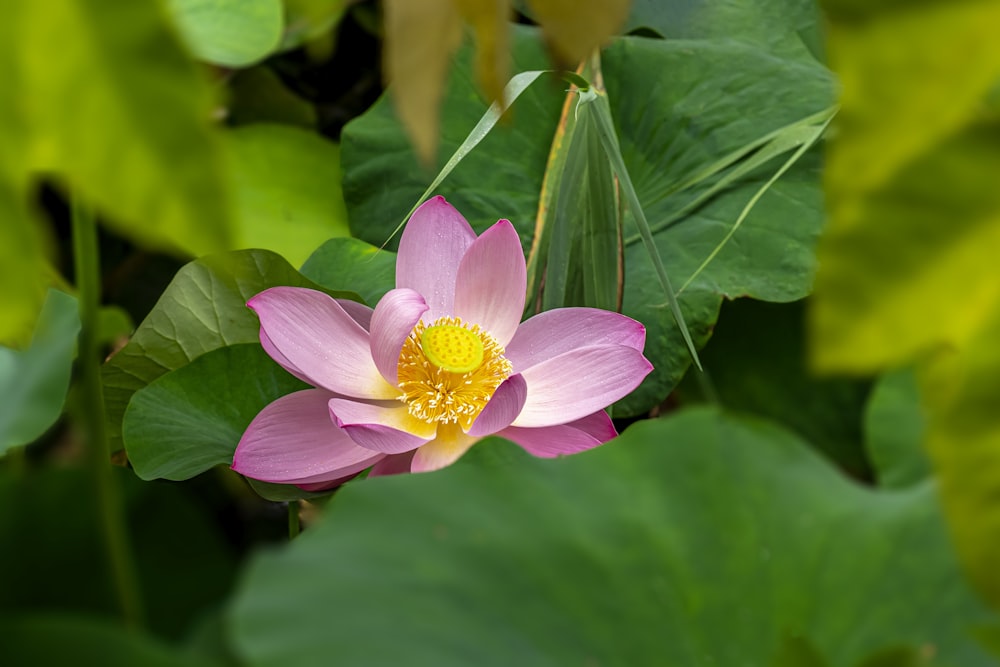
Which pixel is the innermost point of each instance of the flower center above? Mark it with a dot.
(449, 370)
(452, 348)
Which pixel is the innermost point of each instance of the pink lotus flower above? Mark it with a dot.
(441, 362)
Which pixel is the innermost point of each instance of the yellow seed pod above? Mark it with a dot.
(452, 348)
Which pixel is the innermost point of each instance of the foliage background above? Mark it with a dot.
(759, 513)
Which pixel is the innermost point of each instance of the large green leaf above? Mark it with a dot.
(680, 106)
(203, 308)
(192, 418)
(349, 263)
(785, 26)
(34, 382)
(756, 363)
(701, 539)
(183, 562)
(895, 430)
(65, 639)
(287, 186)
(233, 33)
(122, 114)
(909, 268)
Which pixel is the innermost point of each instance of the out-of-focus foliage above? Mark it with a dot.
(34, 382)
(105, 101)
(286, 183)
(909, 268)
(698, 539)
(233, 33)
(672, 124)
(421, 37)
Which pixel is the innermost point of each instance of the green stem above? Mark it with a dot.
(293, 519)
(110, 507)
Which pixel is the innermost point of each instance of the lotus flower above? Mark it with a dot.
(443, 361)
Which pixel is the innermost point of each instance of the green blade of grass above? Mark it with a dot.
(517, 85)
(603, 123)
(805, 137)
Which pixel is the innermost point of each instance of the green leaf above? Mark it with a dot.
(184, 564)
(671, 123)
(351, 264)
(124, 116)
(34, 382)
(202, 309)
(23, 269)
(287, 186)
(192, 418)
(695, 540)
(258, 95)
(788, 27)
(232, 33)
(895, 430)
(66, 639)
(756, 362)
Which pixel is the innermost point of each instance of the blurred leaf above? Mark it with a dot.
(895, 429)
(34, 382)
(574, 28)
(306, 20)
(287, 186)
(203, 309)
(898, 656)
(700, 539)
(420, 38)
(113, 324)
(192, 418)
(23, 269)
(65, 639)
(349, 263)
(185, 567)
(257, 95)
(798, 652)
(124, 115)
(488, 19)
(909, 269)
(672, 123)
(232, 33)
(756, 362)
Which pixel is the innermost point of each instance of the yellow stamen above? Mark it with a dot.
(449, 370)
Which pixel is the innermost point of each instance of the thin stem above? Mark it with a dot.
(110, 507)
(293, 519)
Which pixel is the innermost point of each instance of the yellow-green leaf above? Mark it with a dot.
(420, 38)
(488, 19)
(110, 101)
(908, 268)
(574, 28)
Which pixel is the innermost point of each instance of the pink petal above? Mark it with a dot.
(555, 332)
(491, 282)
(395, 316)
(315, 335)
(313, 487)
(577, 383)
(502, 408)
(388, 429)
(394, 464)
(359, 312)
(443, 450)
(293, 441)
(278, 357)
(577, 436)
(430, 250)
